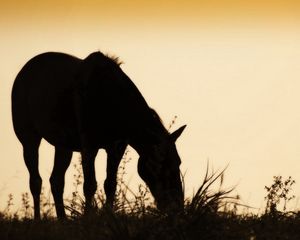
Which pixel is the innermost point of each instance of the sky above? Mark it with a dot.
(228, 69)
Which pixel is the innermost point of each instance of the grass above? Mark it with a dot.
(209, 214)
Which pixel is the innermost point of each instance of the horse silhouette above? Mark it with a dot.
(84, 105)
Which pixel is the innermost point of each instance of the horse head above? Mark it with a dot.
(159, 166)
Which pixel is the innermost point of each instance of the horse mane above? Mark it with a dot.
(158, 119)
(155, 115)
(114, 59)
(111, 58)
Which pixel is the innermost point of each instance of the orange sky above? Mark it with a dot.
(228, 69)
(155, 10)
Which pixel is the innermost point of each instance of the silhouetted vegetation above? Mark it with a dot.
(209, 214)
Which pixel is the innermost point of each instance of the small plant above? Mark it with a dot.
(279, 190)
(126, 200)
(7, 211)
(26, 208)
(172, 123)
(47, 206)
(76, 203)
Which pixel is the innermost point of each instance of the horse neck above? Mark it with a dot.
(148, 134)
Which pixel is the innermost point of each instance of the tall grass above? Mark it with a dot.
(211, 213)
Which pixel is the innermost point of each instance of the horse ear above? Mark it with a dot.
(177, 133)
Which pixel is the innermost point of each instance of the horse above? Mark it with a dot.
(83, 105)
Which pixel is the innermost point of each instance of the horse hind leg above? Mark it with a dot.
(31, 158)
(62, 161)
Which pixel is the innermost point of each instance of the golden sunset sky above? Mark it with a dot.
(229, 69)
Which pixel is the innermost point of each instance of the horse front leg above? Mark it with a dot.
(115, 153)
(90, 183)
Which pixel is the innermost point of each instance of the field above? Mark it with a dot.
(209, 214)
